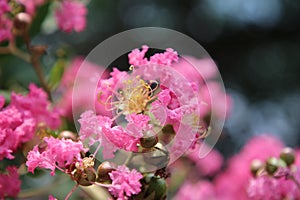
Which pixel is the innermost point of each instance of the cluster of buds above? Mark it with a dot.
(277, 178)
(273, 164)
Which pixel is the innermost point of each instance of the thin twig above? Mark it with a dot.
(35, 61)
(72, 191)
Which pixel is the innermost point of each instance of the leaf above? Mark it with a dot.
(56, 74)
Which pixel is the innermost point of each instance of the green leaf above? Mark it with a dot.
(56, 74)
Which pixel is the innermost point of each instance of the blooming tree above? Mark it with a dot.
(143, 137)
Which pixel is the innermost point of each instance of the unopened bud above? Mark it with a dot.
(103, 172)
(149, 142)
(22, 22)
(67, 135)
(157, 186)
(288, 155)
(272, 165)
(256, 166)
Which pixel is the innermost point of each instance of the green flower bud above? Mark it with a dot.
(272, 165)
(256, 167)
(288, 155)
(157, 188)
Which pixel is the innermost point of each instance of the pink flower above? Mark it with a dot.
(4, 7)
(264, 187)
(2, 101)
(208, 165)
(75, 98)
(15, 129)
(52, 198)
(270, 188)
(166, 58)
(196, 191)
(120, 138)
(58, 153)
(137, 57)
(37, 106)
(98, 128)
(91, 126)
(238, 171)
(125, 182)
(138, 124)
(31, 5)
(71, 16)
(5, 28)
(10, 183)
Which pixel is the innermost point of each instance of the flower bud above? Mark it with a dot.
(103, 171)
(67, 135)
(22, 22)
(86, 177)
(157, 186)
(256, 166)
(272, 165)
(149, 142)
(288, 155)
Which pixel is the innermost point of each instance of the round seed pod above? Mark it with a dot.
(86, 177)
(272, 165)
(288, 155)
(103, 172)
(67, 135)
(256, 166)
(149, 142)
(21, 23)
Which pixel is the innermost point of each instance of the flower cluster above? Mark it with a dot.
(21, 118)
(274, 174)
(57, 153)
(9, 183)
(19, 121)
(16, 16)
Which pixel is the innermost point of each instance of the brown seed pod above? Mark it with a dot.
(67, 135)
(22, 22)
(103, 172)
(149, 142)
(86, 177)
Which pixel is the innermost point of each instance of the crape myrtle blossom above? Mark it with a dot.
(5, 21)
(9, 183)
(58, 153)
(238, 181)
(19, 120)
(238, 168)
(71, 15)
(99, 128)
(154, 90)
(75, 97)
(125, 182)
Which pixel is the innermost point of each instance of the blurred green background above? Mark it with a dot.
(255, 44)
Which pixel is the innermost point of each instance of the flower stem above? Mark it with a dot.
(72, 191)
(292, 177)
(38, 70)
